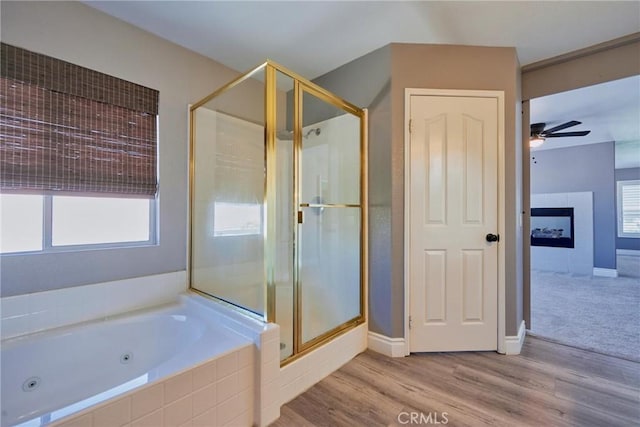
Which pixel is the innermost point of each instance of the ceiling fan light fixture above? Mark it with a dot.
(539, 134)
(536, 141)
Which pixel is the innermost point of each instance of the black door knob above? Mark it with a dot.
(492, 237)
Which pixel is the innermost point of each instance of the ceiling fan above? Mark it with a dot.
(539, 133)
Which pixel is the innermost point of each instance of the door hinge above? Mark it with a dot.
(300, 217)
(410, 322)
(410, 123)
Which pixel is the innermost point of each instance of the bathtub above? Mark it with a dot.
(174, 362)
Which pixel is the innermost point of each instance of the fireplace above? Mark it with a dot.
(552, 227)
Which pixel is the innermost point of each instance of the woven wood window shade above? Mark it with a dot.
(65, 128)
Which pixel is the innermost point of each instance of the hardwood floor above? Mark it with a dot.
(548, 384)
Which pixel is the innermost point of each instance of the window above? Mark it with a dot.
(34, 223)
(78, 156)
(21, 223)
(629, 209)
(96, 220)
(237, 219)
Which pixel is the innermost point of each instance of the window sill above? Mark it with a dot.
(82, 248)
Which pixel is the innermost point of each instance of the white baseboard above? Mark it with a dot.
(605, 272)
(392, 347)
(513, 344)
(629, 252)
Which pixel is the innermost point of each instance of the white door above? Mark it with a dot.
(453, 211)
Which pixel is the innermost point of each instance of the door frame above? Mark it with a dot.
(569, 71)
(499, 96)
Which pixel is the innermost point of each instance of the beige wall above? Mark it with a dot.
(607, 61)
(461, 67)
(389, 70)
(77, 33)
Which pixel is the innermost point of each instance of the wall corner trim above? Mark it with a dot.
(392, 347)
(605, 272)
(513, 344)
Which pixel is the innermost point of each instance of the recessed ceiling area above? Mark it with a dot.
(611, 111)
(314, 38)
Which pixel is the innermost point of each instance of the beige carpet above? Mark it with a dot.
(595, 313)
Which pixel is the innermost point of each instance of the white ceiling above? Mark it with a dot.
(610, 110)
(313, 38)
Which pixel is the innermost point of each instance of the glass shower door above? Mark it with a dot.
(329, 230)
(278, 205)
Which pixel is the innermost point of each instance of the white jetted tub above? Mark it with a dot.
(95, 369)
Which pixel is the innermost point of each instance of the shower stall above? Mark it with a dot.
(278, 205)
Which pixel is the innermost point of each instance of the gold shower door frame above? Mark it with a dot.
(300, 86)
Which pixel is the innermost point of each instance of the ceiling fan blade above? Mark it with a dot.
(562, 126)
(561, 134)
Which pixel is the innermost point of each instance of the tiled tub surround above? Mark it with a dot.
(216, 393)
(193, 362)
(137, 402)
(266, 341)
(29, 313)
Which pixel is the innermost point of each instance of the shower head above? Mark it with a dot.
(315, 131)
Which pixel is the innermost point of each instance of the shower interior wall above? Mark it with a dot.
(227, 252)
(228, 265)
